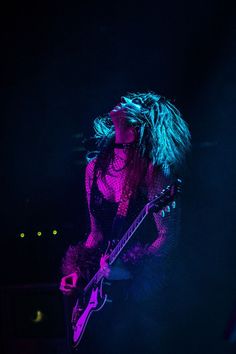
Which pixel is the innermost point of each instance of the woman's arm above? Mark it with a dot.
(81, 256)
(95, 235)
(166, 226)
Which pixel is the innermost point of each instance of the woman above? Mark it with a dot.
(142, 145)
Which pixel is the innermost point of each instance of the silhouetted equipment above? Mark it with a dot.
(230, 331)
(33, 319)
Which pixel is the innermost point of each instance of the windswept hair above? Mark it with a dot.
(164, 137)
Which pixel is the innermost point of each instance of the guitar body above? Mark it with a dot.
(83, 310)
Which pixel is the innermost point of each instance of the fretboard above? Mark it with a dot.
(127, 236)
(120, 246)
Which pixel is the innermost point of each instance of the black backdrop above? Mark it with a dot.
(62, 65)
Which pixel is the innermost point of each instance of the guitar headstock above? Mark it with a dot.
(166, 199)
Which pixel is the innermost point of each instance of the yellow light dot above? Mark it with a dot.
(54, 232)
(38, 316)
(39, 233)
(22, 235)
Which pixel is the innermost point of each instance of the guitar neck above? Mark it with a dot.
(120, 246)
(127, 236)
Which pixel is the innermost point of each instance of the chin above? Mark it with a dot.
(115, 114)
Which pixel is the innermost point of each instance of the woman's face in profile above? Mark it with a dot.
(124, 111)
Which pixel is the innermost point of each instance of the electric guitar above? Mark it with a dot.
(92, 297)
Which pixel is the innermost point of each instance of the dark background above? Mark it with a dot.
(62, 65)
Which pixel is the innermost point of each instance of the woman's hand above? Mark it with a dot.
(104, 266)
(69, 283)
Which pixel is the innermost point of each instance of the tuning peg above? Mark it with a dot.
(179, 183)
(167, 209)
(163, 213)
(173, 204)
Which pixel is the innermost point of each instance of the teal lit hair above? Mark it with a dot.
(164, 136)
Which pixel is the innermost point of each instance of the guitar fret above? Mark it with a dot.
(127, 235)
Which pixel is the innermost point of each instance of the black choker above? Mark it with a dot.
(124, 146)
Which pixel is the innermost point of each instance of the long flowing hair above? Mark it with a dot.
(163, 138)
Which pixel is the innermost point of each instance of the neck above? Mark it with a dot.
(124, 145)
(125, 135)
